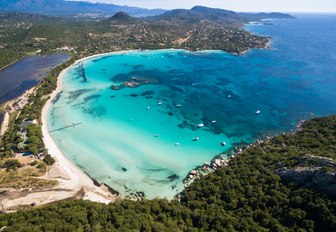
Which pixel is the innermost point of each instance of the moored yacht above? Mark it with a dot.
(200, 125)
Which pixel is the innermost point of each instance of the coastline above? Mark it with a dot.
(11, 106)
(74, 183)
(74, 179)
(6, 66)
(77, 177)
(4, 124)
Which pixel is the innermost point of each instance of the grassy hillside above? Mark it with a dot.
(247, 195)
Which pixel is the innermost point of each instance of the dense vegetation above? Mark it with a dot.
(247, 195)
(12, 139)
(199, 28)
(25, 34)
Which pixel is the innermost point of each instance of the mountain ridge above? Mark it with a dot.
(66, 8)
(199, 13)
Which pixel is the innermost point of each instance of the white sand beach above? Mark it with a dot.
(4, 123)
(68, 174)
(73, 182)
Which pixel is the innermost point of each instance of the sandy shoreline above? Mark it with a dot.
(4, 124)
(13, 105)
(74, 179)
(73, 182)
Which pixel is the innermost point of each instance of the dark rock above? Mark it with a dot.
(313, 172)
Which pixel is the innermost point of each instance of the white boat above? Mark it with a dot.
(178, 105)
(213, 122)
(223, 144)
(200, 125)
(195, 139)
(159, 102)
(177, 144)
(258, 112)
(148, 107)
(229, 96)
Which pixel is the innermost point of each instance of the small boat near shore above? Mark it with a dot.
(200, 125)
(195, 139)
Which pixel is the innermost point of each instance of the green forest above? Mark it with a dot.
(27, 34)
(247, 195)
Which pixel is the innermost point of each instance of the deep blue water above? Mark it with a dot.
(293, 80)
(25, 74)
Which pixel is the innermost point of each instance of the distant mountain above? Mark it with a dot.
(199, 13)
(64, 8)
(259, 16)
(17, 16)
(70, 8)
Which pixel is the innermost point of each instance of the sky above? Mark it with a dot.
(236, 5)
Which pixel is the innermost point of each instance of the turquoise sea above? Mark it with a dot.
(141, 138)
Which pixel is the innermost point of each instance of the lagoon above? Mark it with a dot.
(24, 74)
(138, 136)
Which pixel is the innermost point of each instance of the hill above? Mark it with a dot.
(250, 194)
(199, 13)
(72, 8)
(122, 17)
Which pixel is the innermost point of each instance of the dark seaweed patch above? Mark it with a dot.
(75, 94)
(95, 111)
(101, 58)
(136, 67)
(186, 124)
(173, 177)
(57, 97)
(92, 97)
(148, 92)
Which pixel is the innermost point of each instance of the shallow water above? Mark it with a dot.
(115, 143)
